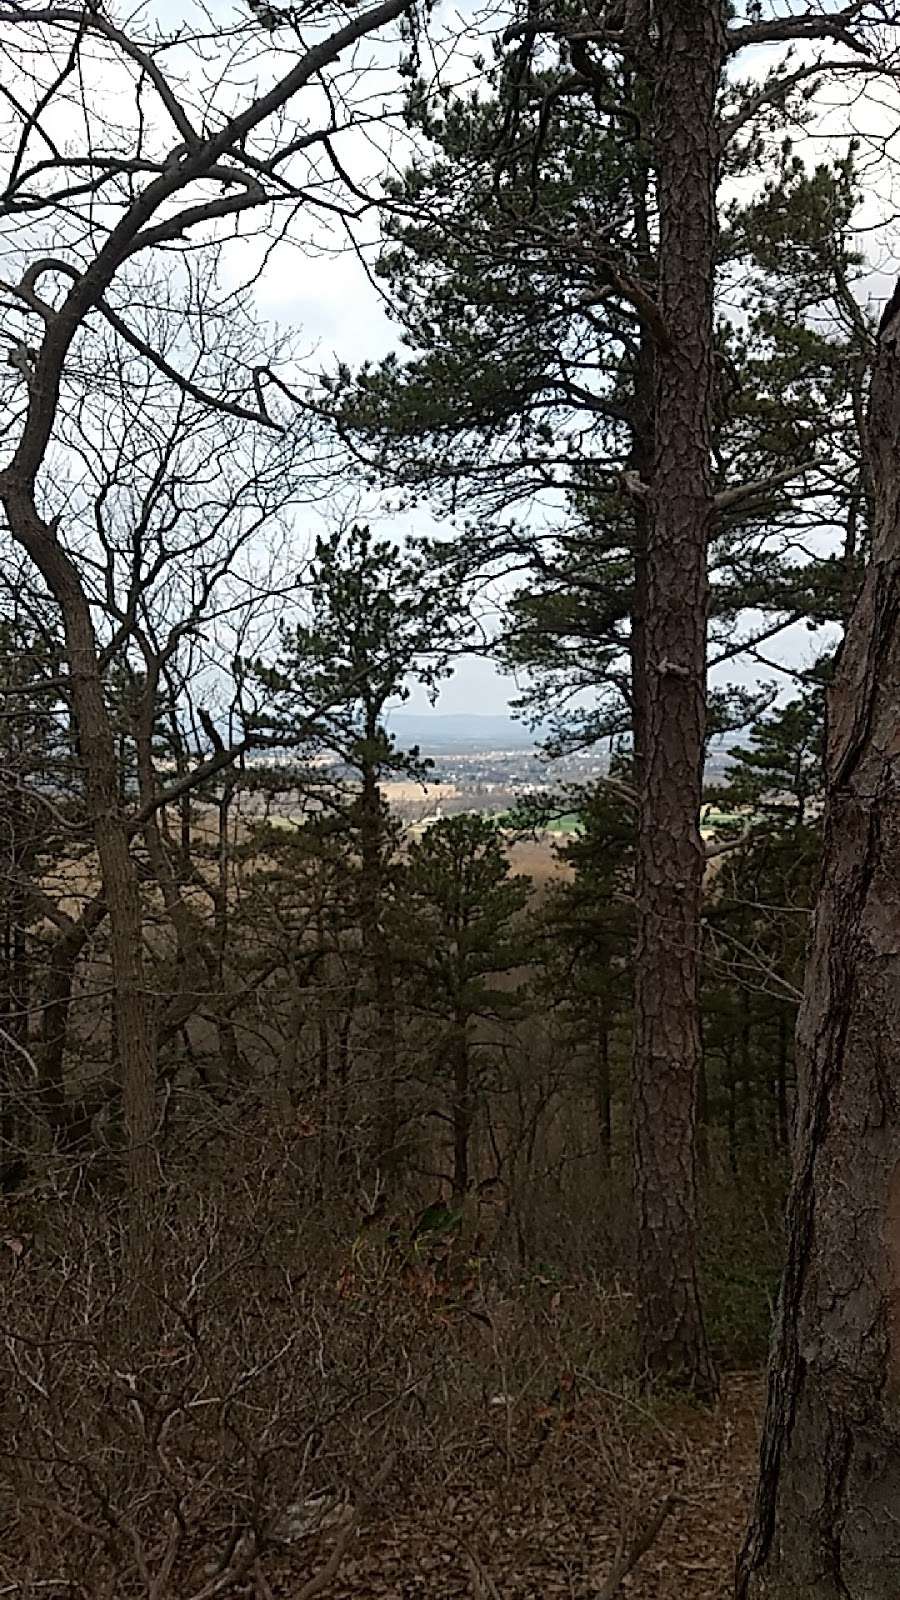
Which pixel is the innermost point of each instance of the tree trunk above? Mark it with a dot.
(670, 852)
(462, 1111)
(379, 963)
(97, 754)
(825, 1523)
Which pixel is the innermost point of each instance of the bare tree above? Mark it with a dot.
(196, 154)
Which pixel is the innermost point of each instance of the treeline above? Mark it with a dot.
(323, 965)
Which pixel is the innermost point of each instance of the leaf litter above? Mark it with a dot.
(563, 1526)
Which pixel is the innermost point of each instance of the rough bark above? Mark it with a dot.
(670, 854)
(825, 1522)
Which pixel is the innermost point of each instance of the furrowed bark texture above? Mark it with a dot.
(670, 853)
(826, 1520)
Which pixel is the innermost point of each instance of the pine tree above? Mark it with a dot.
(556, 334)
(824, 1521)
(587, 928)
(459, 916)
(759, 908)
(375, 622)
(39, 827)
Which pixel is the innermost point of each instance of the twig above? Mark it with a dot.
(263, 1587)
(484, 1583)
(27, 1586)
(628, 1559)
(323, 1577)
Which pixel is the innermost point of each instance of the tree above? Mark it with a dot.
(587, 928)
(670, 854)
(758, 908)
(459, 914)
(777, 772)
(823, 1522)
(39, 829)
(293, 939)
(545, 359)
(376, 620)
(149, 192)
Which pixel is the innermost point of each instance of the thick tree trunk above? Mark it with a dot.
(670, 852)
(825, 1523)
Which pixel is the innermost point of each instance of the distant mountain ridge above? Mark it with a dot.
(446, 730)
(461, 730)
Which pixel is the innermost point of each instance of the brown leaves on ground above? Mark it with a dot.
(557, 1528)
(386, 1420)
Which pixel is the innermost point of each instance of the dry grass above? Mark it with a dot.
(539, 860)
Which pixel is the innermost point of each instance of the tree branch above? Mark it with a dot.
(731, 499)
(91, 19)
(635, 1552)
(782, 30)
(215, 402)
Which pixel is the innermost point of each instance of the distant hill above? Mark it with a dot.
(443, 731)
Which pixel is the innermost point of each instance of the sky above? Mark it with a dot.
(324, 296)
(342, 317)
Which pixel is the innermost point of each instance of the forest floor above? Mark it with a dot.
(395, 1420)
(559, 1525)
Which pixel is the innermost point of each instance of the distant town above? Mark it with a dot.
(484, 764)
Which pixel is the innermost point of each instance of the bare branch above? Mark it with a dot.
(635, 1552)
(89, 18)
(814, 25)
(216, 402)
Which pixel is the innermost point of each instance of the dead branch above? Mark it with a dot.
(629, 1557)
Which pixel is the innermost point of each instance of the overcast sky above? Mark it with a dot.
(328, 299)
(341, 312)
